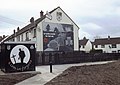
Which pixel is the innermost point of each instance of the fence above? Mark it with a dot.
(73, 57)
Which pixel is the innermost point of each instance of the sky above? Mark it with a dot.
(96, 18)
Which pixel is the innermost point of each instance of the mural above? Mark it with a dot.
(18, 57)
(57, 37)
(20, 54)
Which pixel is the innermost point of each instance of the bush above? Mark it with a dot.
(96, 51)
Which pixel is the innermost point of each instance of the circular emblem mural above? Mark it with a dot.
(20, 54)
(59, 16)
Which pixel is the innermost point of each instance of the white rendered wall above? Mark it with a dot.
(88, 46)
(39, 37)
(65, 20)
(107, 49)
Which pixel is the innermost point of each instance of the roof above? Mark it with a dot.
(26, 28)
(29, 26)
(104, 41)
(83, 41)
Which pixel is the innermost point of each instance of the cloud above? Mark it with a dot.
(117, 11)
(84, 34)
(27, 4)
(94, 8)
(10, 21)
(92, 28)
(94, 17)
(6, 31)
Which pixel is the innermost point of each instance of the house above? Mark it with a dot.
(108, 45)
(53, 31)
(2, 38)
(85, 45)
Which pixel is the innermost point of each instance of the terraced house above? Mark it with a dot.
(53, 31)
(2, 38)
(108, 45)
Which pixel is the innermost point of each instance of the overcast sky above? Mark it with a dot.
(94, 17)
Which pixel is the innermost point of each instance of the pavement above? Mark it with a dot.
(46, 76)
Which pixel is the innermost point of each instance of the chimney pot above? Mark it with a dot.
(14, 31)
(84, 38)
(0, 37)
(18, 28)
(41, 13)
(32, 20)
(3, 36)
(108, 37)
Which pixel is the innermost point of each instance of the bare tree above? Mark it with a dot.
(96, 37)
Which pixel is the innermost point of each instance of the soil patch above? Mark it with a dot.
(11, 79)
(106, 74)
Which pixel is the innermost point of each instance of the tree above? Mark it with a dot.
(96, 37)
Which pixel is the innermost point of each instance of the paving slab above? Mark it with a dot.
(1, 72)
(46, 76)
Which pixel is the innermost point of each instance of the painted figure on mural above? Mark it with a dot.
(52, 46)
(21, 55)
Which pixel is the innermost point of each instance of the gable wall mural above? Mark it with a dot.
(58, 37)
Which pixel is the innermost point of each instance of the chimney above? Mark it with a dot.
(32, 20)
(41, 13)
(108, 37)
(3, 36)
(14, 31)
(18, 29)
(84, 38)
(0, 37)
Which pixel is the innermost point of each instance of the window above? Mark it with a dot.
(27, 36)
(113, 51)
(114, 46)
(18, 38)
(102, 46)
(0, 48)
(104, 51)
(118, 51)
(83, 46)
(96, 46)
(12, 40)
(34, 33)
(22, 37)
(79, 46)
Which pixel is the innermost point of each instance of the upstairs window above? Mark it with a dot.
(114, 46)
(96, 46)
(12, 40)
(83, 46)
(22, 37)
(102, 46)
(27, 36)
(34, 33)
(18, 38)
